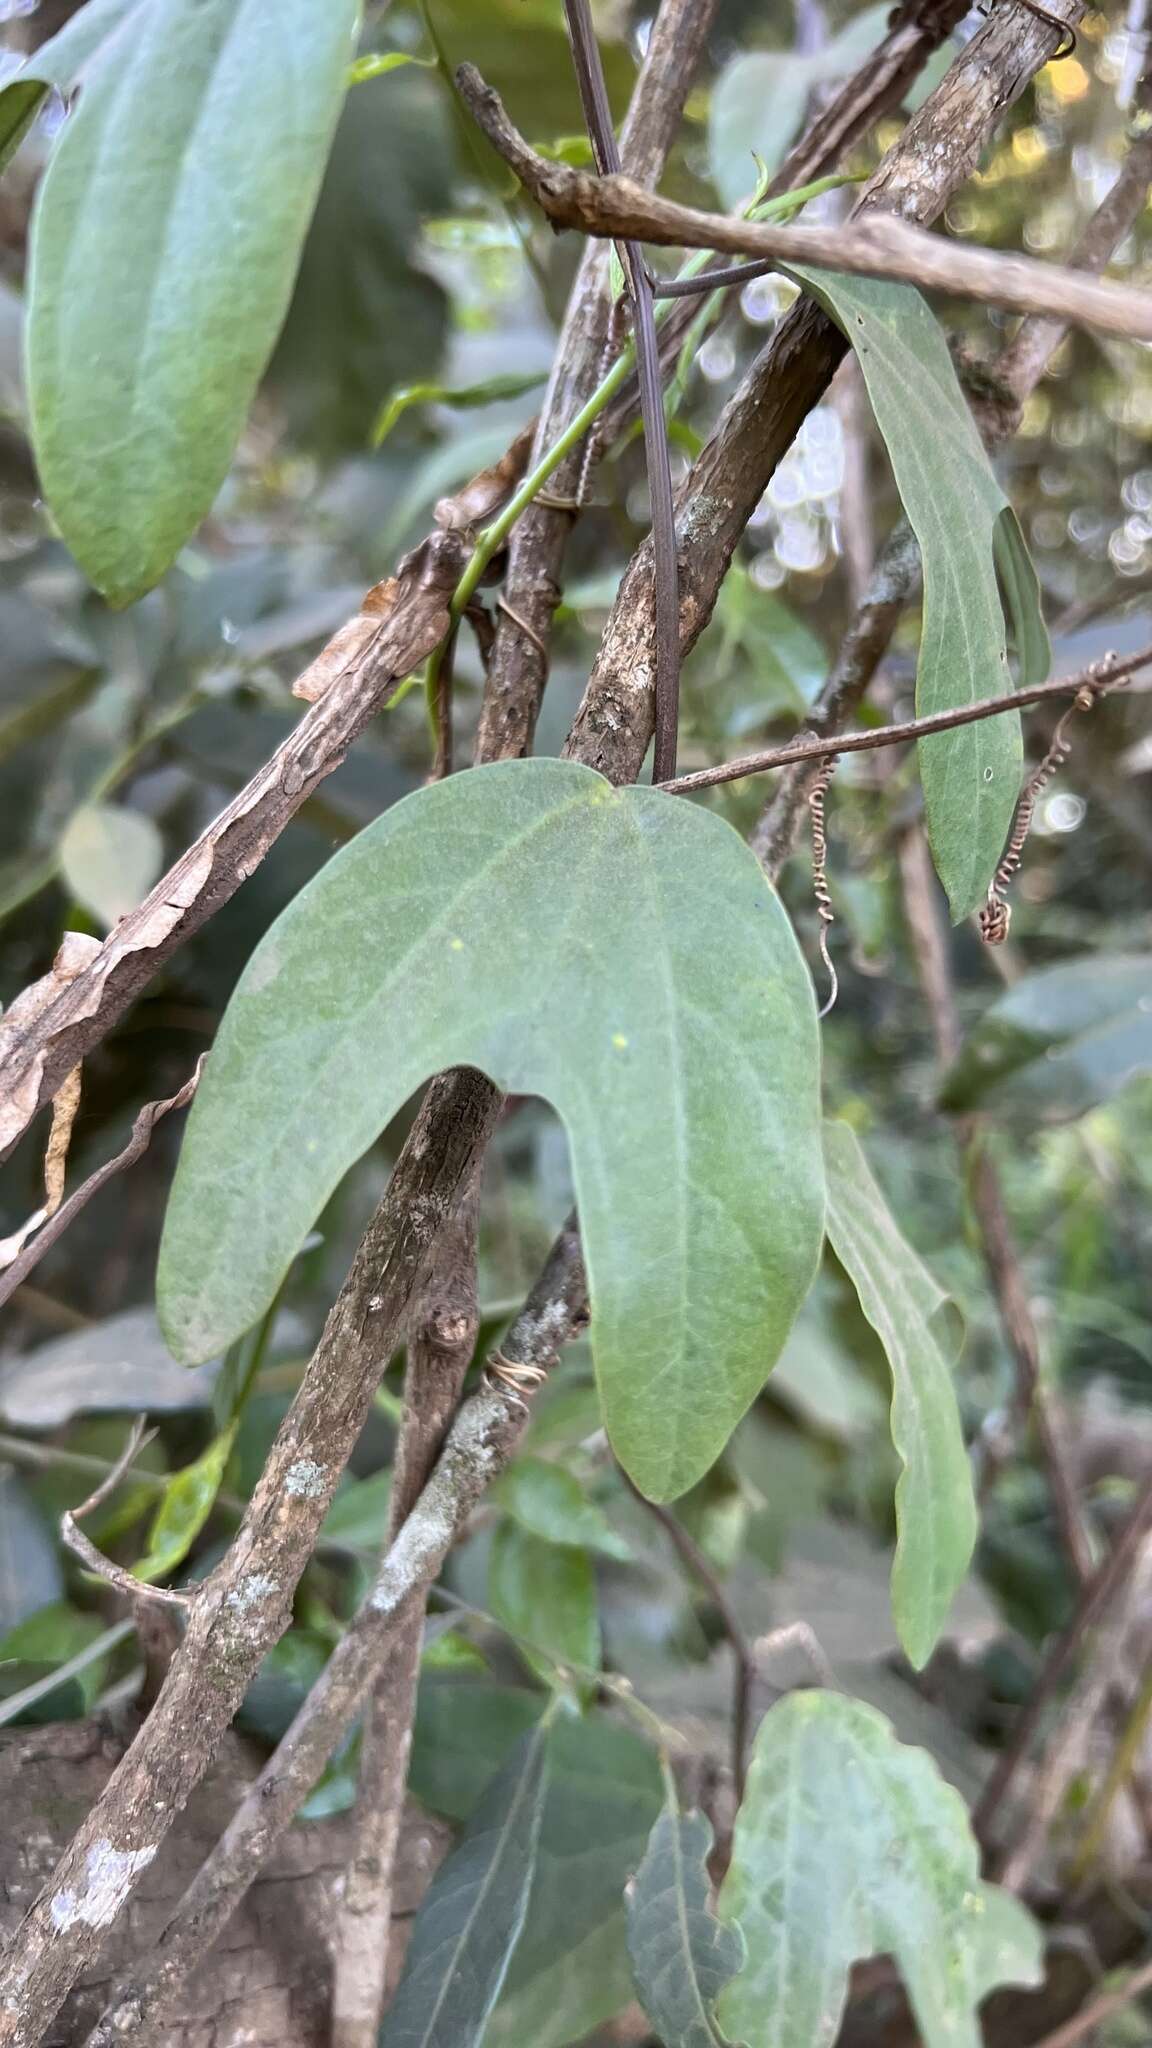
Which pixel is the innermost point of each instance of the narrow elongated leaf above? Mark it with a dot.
(545, 1595)
(207, 128)
(468, 1925)
(936, 1517)
(965, 527)
(682, 1956)
(618, 952)
(61, 62)
(187, 1502)
(849, 1845)
(570, 1971)
(1060, 1041)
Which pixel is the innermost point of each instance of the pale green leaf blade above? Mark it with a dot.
(61, 62)
(470, 1921)
(1058, 1042)
(848, 1845)
(758, 102)
(545, 1596)
(1021, 587)
(682, 1956)
(617, 952)
(971, 776)
(209, 134)
(109, 858)
(936, 1518)
(187, 1502)
(549, 1501)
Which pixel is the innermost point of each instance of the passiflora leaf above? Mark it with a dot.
(966, 528)
(60, 63)
(470, 1921)
(618, 952)
(850, 1844)
(208, 131)
(936, 1519)
(682, 1956)
(1058, 1042)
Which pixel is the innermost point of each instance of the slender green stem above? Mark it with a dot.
(493, 537)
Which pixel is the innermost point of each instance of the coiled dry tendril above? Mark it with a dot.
(996, 917)
(824, 910)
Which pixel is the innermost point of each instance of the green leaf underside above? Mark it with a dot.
(682, 1956)
(936, 1517)
(848, 1845)
(210, 136)
(468, 1925)
(1060, 1041)
(965, 527)
(617, 952)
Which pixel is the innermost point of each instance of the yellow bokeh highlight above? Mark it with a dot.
(1067, 80)
(1029, 147)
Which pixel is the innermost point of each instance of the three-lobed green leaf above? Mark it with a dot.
(682, 1955)
(966, 530)
(618, 952)
(849, 1844)
(470, 1921)
(936, 1518)
(207, 129)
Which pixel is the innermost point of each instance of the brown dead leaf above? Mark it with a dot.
(478, 500)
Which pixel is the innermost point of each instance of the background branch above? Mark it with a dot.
(483, 1438)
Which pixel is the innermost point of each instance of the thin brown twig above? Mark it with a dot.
(1095, 1599)
(744, 1656)
(896, 578)
(142, 1129)
(1104, 2007)
(226, 1641)
(481, 1441)
(1107, 674)
(439, 1352)
(81, 1546)
(598, 120)
(874, 245)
